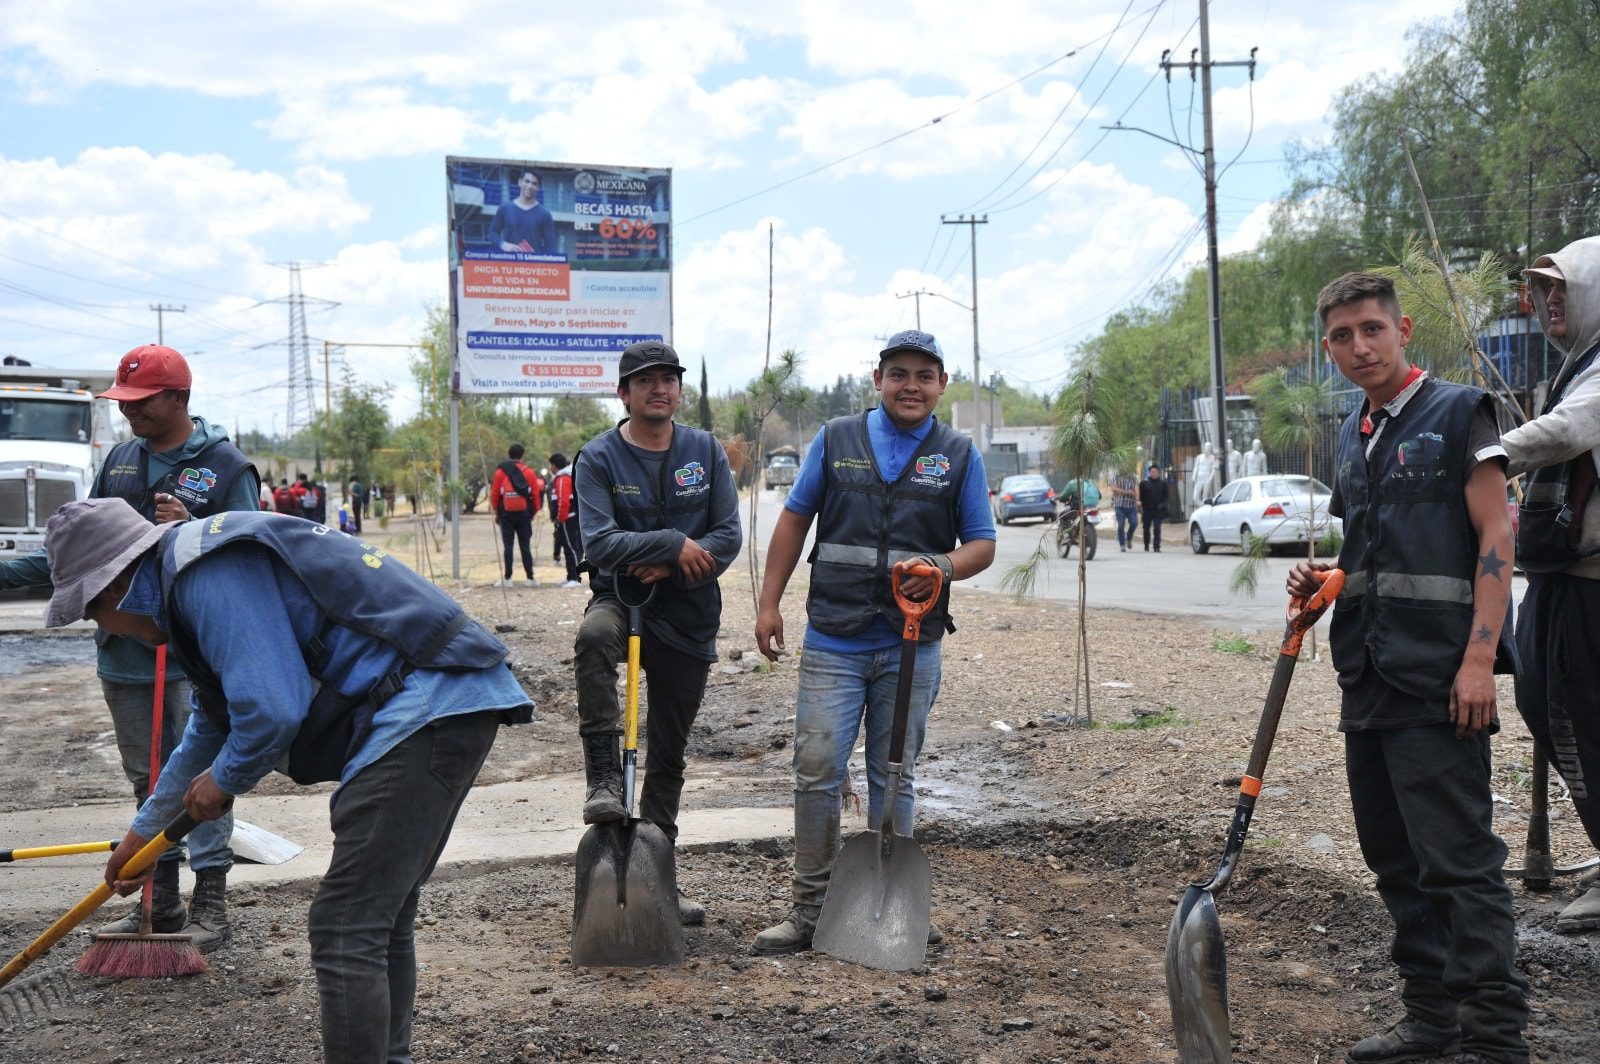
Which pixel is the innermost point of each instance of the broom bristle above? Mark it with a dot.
(140, 957)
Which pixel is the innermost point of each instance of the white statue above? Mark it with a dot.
(1235, 462)
(1255, 463)
(1204, 483)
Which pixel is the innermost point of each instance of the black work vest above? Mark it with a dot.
(866, 525)
(1410, 553)
(356, 586)
(201, 482)
(677, 497)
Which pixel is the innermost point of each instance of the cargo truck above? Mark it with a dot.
(54, 434)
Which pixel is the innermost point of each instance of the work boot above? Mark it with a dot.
(1410, 1039)
(208, 910)
(167, 914)
(690, 912)
(603, 772)
(792, 935)
(1581, 915)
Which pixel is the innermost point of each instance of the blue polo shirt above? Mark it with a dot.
(893, 447)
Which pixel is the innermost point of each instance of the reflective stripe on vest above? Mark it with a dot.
(1411, 586)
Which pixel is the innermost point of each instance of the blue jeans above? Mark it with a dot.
(132, 708)
(1129, 516)
(836, 692)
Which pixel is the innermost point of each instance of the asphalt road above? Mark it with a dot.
(1176, 581)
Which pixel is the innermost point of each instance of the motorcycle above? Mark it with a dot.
(1067, 531)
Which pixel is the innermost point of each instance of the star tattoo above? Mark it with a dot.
(1490, 564)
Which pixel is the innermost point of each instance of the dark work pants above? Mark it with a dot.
(558, 540)
(1152, 525)
(357, 508)
(1558, 690)
(518, 525)
(1422, 809)
(390, 823)
(677, 686)
(572, 544)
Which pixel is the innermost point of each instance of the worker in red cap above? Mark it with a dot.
(177, 467)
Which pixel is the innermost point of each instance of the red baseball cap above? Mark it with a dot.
(146, 370)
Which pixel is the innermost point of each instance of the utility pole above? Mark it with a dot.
(302, 412)
(918, 294)
(1213, 274)
(972, 221)
(162, 310)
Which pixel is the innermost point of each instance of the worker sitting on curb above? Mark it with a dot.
(891, 484)
(394, 692)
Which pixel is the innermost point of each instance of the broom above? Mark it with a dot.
(145, 955)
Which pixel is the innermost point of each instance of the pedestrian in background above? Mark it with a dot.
(516, 493)
(1125, 504)
(1153, 505)
(564, 512)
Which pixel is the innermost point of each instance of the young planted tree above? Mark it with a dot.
(777, 386)
(1092, 433)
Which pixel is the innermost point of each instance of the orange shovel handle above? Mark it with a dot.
(915, 611)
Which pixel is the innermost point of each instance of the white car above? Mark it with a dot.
(1275, 507)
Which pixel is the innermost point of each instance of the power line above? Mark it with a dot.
(907, 132)
(1077, 92)
(997, 204)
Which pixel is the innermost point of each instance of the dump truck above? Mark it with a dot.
(783, 464)
(54, 434)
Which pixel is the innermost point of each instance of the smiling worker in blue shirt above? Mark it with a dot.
(397, 695)
(889, 485)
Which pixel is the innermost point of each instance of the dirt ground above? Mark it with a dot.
(1058, 853)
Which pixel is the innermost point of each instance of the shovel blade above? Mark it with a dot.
(252, 843)
(876, 912)
(625, 914)
(1197, 981)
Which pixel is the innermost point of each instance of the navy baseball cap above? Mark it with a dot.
(913, 340)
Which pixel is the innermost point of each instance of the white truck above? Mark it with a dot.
(53, 436)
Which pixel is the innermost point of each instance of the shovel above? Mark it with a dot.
(1538, 863)
(626, 911)
(1197, 962)
(881, 892)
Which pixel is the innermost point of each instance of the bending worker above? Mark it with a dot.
(397, 697)
(890, 484)
(176, 467)
(656, 503)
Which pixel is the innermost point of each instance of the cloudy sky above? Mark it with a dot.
(174, 153)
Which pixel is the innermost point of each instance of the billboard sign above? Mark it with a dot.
(554, 269)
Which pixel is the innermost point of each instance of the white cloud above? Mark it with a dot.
(366, 123)
(669, 119)
(164, 212)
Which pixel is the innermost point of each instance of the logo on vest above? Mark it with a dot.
(200, 480)
(1425, 448)
(933, 465)
(691, 474)
(851, 463)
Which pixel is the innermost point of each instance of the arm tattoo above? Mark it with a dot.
(1483, 635)
(1490, 564)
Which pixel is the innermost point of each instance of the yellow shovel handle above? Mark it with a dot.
(93, 900)
(630, 720)
(63, 850)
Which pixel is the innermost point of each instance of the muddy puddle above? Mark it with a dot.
(1053, 952)
(20, 654)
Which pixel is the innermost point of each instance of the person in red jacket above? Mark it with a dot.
(564, 514)
(516, 493)
(283, 499)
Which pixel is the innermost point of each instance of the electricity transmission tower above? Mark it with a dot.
(302, 410)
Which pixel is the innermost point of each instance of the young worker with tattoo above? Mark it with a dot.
(1418, 634)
